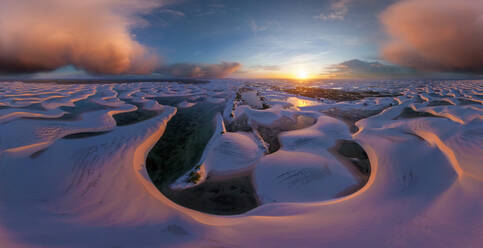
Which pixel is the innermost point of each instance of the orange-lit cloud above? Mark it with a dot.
(200, 70)
(435, 35)
(93, 35)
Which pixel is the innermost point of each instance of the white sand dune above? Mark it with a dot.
(425, 187)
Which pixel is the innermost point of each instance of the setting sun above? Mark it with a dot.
(302, 74)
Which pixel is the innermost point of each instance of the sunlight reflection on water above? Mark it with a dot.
(299, 102)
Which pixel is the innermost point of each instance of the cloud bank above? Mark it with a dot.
(93, 35)
(185, 70)
(435, 35)
(362, 69)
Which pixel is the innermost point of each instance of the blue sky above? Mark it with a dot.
(261, 35)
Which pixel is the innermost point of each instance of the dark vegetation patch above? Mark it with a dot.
(270, 134)
(183, 142)
(240, 124)
(355, 158)
(250, 97)
(129, 118)
(356, 154)
(193, 177)
(336, 95)
(84, 106)
(132, 117)
(170, 100)
(235, 195)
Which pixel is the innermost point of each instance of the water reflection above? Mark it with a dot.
(299, 102)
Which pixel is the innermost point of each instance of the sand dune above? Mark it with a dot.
(424, 144)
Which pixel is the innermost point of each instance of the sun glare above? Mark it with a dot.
(302, 74)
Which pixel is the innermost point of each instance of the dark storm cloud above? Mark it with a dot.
(186, 70)
(93, 35)
(435, 35)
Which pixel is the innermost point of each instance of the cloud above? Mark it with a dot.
(185, 70)
(359, 69)
(338, 11)
(172, 12)
(435, 35)
(362, 69)
(92, 35)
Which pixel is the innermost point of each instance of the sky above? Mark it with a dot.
(360, 39)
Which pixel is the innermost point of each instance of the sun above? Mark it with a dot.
(302, 74)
